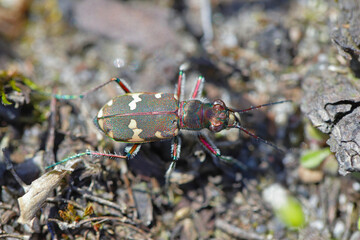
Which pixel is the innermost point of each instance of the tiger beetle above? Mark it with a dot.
(138, 118)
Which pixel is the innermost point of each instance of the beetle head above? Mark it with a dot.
(221, 116)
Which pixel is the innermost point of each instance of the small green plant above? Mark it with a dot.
(11, 81)
(313, 158)
(71, 215)
(286, 207)
(291, 213)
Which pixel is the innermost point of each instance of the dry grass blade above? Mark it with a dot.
(39, 191)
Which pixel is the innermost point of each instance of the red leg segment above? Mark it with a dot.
(198, 88)
(180, 85)
(175, 154)
(133, 150)
(213, 149)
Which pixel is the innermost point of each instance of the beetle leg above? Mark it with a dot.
(133, 150)
(124, 86)
(86, 153)
(213, 149)
(180, 86)
(198, 88)
(175, 154)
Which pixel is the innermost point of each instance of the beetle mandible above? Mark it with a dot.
(143, 117)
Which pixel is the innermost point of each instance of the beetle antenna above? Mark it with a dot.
(237, 125)
(260, 106)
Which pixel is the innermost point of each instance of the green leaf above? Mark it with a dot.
(315, 133)
(291, 214)
(4, 99)
(313, 158)
(12, 83)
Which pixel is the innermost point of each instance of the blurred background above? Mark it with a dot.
(250, 53)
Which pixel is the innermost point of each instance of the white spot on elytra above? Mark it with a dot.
(100, 113)
(135, 137)
(158, 134)
(111, 134)
(110, 103)
(132, 124)
(136, 98)
(158, 95)
(101, 123)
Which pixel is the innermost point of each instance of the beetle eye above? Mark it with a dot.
(216, 128)
(218, 107)
(219, 103)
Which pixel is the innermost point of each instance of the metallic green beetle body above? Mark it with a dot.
(148, 117)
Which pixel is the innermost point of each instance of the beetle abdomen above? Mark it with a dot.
(139, 117)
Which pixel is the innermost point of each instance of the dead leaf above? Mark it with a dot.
(39, 190)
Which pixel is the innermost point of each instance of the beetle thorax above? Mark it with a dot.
(191, 115)
(196, 115)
